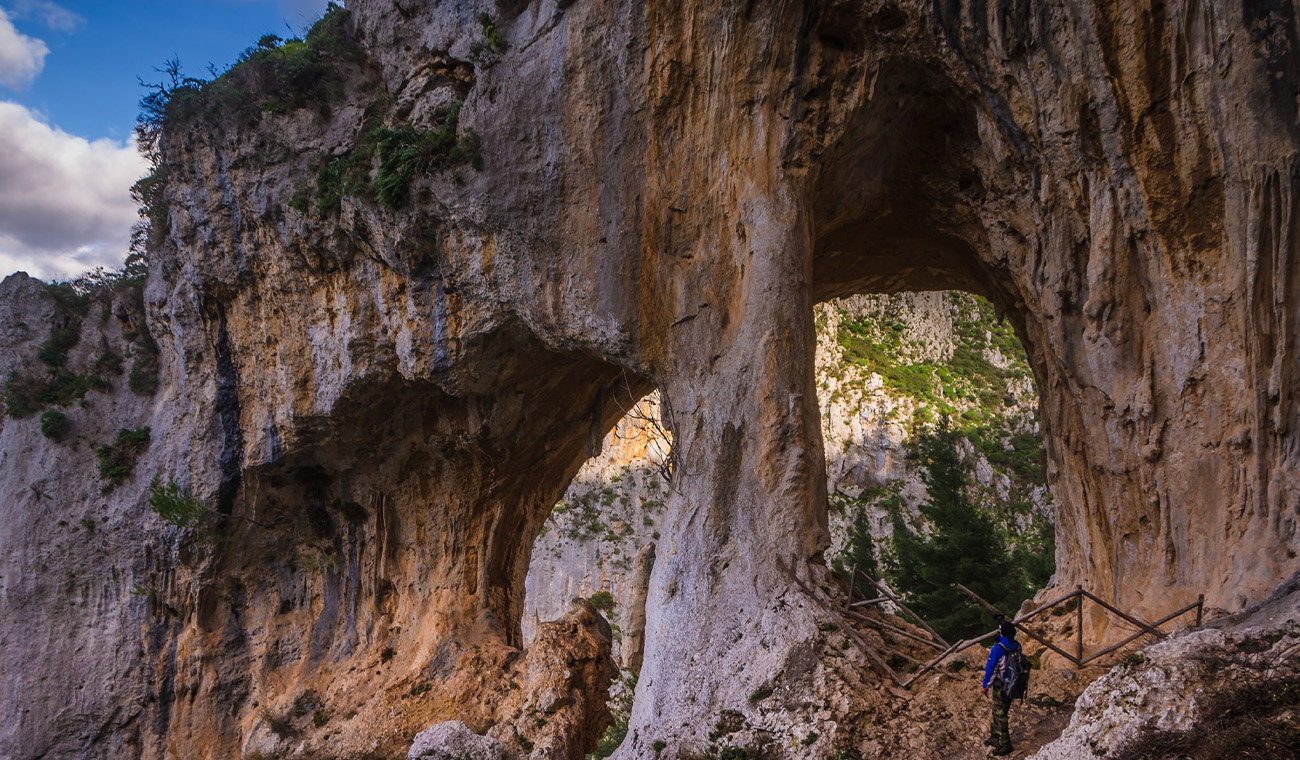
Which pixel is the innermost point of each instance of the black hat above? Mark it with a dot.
(1007, 629)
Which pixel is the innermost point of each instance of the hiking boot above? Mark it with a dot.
(1000, 751)
(991, 742)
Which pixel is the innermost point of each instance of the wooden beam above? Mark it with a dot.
(1144, 626)
(1028, 632)
(869, 602)
(885, 590)
(888, 627)
(926, 667)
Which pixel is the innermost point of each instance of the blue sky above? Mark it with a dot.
(69, 87)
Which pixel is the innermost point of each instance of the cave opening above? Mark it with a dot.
(923, 335)
(915, 323)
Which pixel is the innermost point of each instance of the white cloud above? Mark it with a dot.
(21, 57)
(65, 203)
(54, 15)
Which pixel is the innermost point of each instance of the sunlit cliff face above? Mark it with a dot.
(665, 193)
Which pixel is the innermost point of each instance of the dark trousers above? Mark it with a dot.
(999, 724)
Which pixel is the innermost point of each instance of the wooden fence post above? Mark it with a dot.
(1078, 608)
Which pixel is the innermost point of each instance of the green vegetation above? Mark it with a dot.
(490, 32)
(967, 380)
(55, 425)
(117, 460)
(961, 544)
(486, 51)
(25, 393)
(387, 160)
(143, 380)
(602, 600)
(108, 363)
(176, 506)
(614, 736)
(63, 338)
(616, 733)
(273, 76)
(967, 530)
(280, 725)
(859, 548)
(405, 153)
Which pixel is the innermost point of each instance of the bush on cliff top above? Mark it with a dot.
(275, 75)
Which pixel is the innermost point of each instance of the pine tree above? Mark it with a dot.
(859, 551)
(962, 545)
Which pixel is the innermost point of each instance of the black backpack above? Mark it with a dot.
(1013, 676)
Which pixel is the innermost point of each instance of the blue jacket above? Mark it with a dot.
(999, 651)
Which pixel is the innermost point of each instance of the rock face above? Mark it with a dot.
(387, 399)
(1164, 688)
(612, 513)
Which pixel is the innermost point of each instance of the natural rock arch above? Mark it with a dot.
(668, 188)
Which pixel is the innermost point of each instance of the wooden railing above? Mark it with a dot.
(945, 650)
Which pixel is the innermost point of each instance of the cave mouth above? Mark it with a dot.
(922, 328)
(906, 376)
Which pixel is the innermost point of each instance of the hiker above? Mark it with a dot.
(999, 725)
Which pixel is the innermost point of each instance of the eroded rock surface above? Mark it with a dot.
(388, 401)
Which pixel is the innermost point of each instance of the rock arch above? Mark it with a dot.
(667, 190)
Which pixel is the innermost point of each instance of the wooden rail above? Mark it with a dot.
(1146, 629)
(946, 650)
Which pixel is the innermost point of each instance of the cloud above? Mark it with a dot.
(21, 57)
(55, 16)
(65, 204)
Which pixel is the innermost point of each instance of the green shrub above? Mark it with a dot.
(20, 395)
(54, 352)
(55, 425)
(274, 75)
(342, 176)
(602, 600)
(143, 379)
(108, 363)
(490, 31)
(25, 395)
(148, 193)
(280, 725)
(961, 545)
(405, 153)
(117, 460)
(1255, 718)
(175, 505)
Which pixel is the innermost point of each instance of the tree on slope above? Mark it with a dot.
(859, 548)
(959, 544)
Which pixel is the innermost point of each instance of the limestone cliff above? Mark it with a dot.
(613, 509)
(381, 364)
